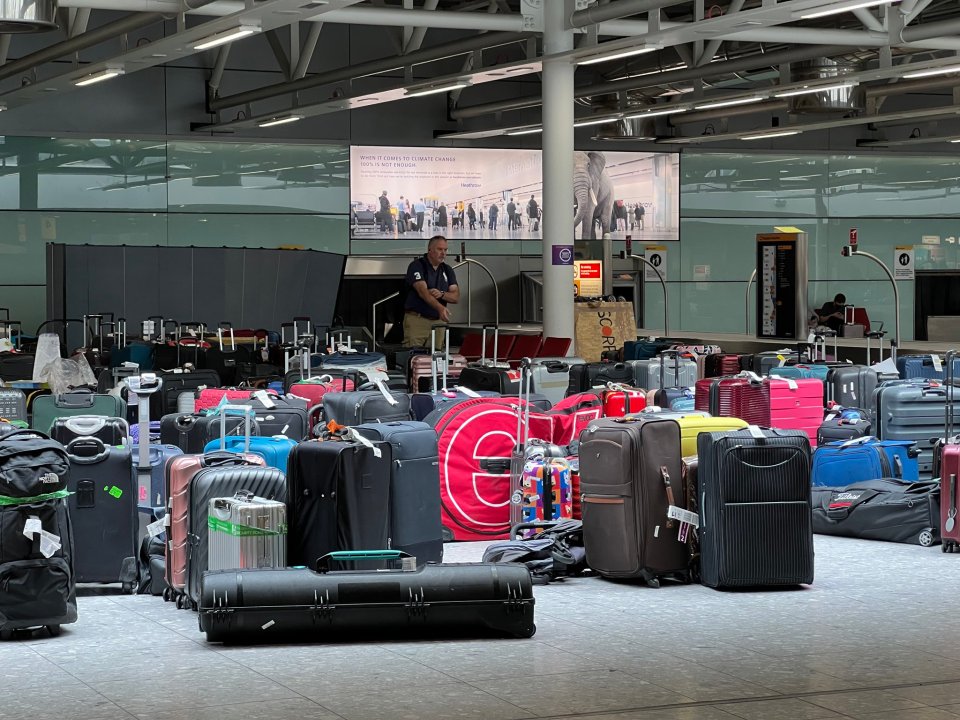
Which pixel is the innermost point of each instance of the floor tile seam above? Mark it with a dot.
(502, 699)
(756, 698)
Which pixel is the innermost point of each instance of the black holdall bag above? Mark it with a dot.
(888, 509)
(32, 464)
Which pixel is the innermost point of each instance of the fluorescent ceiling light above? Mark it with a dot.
(933, 71)
(727, 103)
(601, 121)
(816, 89)
(762, 136)
(272, 122)
(439, 89)
(655, 113)
(615, 55)
(527, 131)
(222, 38)
(956, 141)
(110, 72)
(834, 9)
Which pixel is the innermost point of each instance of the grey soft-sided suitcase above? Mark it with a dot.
(365, 406)
(755, 518)
(630, 475)
(415, 526)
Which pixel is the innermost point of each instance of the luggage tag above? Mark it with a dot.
(756, 432)
(937, 364)
(49, 543)
(686, 519)
(264, 397)
(467, 391)
(782, 359)
(158, 527)
(354, 435)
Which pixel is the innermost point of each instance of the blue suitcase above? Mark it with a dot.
(274, 450)
(838, 464)
(922, 366)
(801, 371)
(415, 524)
(151, 486)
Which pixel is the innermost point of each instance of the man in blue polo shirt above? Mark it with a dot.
(433, 285)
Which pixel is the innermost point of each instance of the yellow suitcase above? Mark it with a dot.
(693, 425)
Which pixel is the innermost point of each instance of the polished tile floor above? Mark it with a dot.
(877, 637)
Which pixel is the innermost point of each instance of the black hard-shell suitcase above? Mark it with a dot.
(630, 475)
(225, 359)
(111, 431)
(176, 382)
(415, 525)
(339, 498)
(887, 509)
(491, 379)
(291, 603)
(755, 518)
(37, 582)
(224, 481)
(836, 428)
(192, 432)
(103, 509)
(589, 375)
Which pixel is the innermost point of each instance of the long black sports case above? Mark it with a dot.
(269, 604)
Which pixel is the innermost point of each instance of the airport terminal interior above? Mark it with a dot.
(722, 170)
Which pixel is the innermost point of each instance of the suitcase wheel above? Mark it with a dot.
(126, 588)
(180, 601)
(926, 537)
(54, 630)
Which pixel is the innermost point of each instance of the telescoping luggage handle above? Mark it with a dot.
(523, 412)
(496, 343)
(408, 562)
(248, 414)
(949, 378)
(221, 326)
(675, 354)
(436, 358)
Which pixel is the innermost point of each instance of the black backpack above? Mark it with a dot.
(557, 552)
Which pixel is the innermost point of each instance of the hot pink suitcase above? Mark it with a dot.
(209, 398)
(796, 404)
(313, 389)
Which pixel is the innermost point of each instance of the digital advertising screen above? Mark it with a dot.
(498, 194)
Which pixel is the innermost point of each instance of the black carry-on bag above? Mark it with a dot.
(291, 603)
(37, 582)
(755, 513)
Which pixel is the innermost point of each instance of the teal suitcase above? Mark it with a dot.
(47, 408)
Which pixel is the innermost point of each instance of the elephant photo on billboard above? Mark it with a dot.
(593, 194)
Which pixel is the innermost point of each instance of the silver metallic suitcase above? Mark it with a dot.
(664, 372)
(246, 532)
(551, 376)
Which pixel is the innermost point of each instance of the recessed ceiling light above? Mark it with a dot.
(728, 103)
(815, 89)
(435, 90)
(273, 122)
(226, 36)
(763, 136)
(834, 9)
(615, 55)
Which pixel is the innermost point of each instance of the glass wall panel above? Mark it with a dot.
(310, 232)
(258, 178)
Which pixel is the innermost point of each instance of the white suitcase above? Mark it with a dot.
(551, 376)
(246, 531)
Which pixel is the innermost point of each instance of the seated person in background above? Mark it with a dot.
(831, 314)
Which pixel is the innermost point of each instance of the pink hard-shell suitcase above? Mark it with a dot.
(796, 404)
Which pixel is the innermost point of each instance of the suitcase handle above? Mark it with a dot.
(223, 457)
(323, 562)
(103, 452)
(81, 398)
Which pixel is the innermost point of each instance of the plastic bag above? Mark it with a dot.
(48, 351)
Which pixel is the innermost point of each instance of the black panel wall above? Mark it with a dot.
(251, 288)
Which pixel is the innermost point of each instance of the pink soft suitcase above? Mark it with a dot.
(796, 404)
(209, 398)
(313, 389)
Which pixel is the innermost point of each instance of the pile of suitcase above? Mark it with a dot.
(307, 462)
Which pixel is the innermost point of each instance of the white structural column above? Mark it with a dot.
(557, 226)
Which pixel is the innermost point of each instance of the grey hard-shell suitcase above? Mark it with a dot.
(664, 371)
(851, 386)
(912, 411)
(755, 515)
(630, 474)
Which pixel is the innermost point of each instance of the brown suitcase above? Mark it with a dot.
(692, 503)
(630, 475)
(179, 472)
